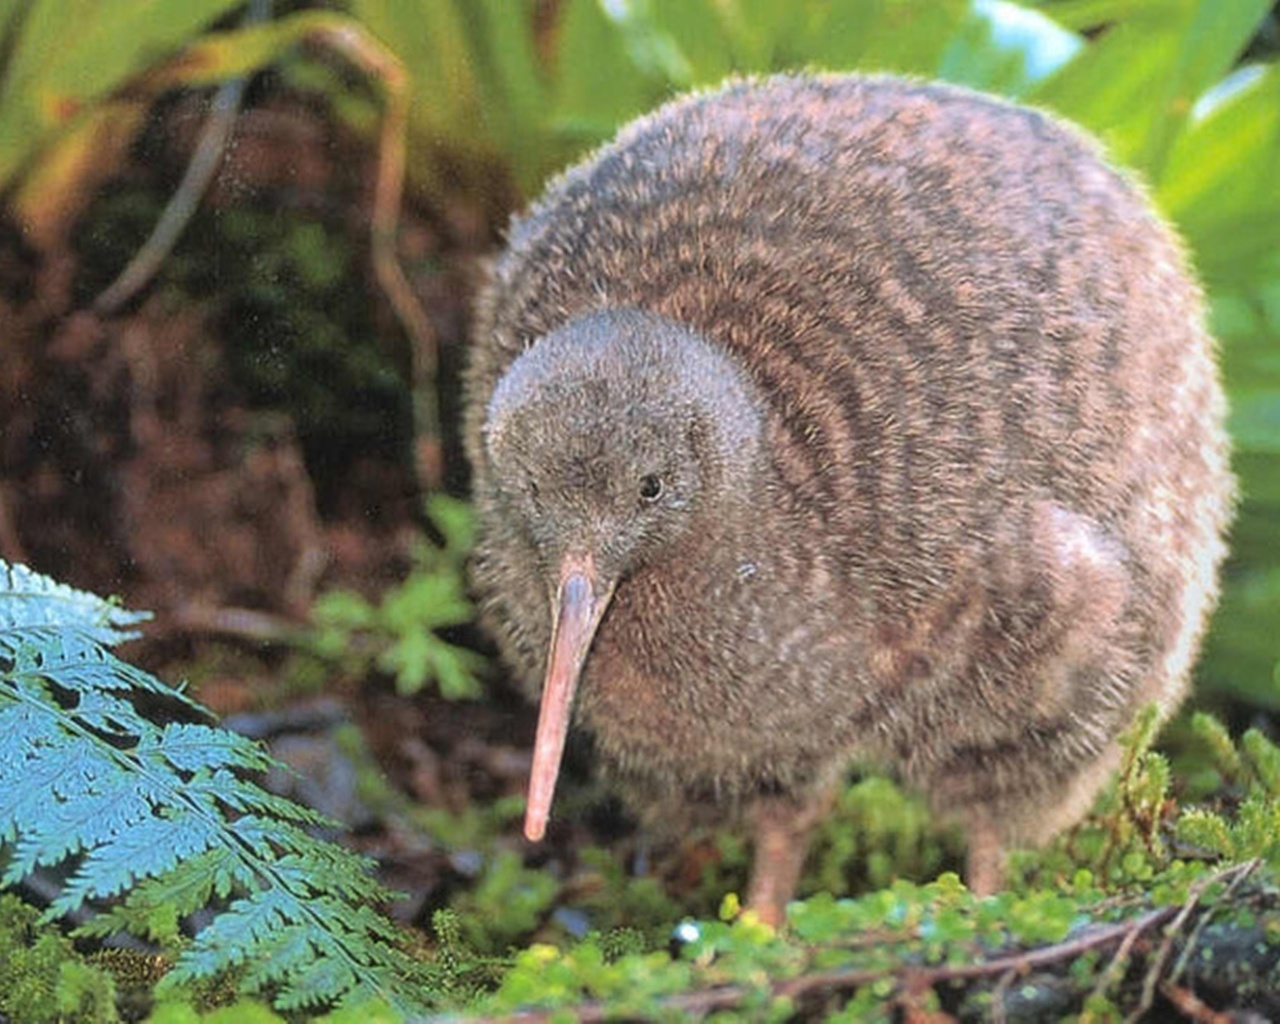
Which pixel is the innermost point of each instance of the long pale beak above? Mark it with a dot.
(578, 609)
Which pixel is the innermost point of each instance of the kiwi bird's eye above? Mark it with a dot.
(651, 487)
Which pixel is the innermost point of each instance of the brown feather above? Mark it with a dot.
(929, 388)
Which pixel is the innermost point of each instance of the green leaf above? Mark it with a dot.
(1220, 180)
(1263, 758)
(66, 55)
(455, 670)
(466, 106)
(344, 608)
(599, 84)
(1255, 422)
(1136, 85)
(1006, 48)
(1243, 651)
(1082, 15)
(1213, 734)
(1206, 830)
(456, 522)
(881, 35)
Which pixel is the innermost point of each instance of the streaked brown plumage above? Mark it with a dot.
(847, 417)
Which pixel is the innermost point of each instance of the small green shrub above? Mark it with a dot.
(399, 635)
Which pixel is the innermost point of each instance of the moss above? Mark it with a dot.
(42, 977)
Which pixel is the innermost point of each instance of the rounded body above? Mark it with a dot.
(984, 521)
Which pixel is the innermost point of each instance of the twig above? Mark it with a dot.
(998, 994)
(1186, 1003)
(1152, 978)
(1115, 969)
(195, 182)
(242, 623)
(1237, 875)
(382, 64)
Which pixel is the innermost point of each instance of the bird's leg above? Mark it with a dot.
(984, 872)
(782, 827)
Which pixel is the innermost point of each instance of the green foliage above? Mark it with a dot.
(614, 899)
(42, 979)
(876, 834)
(301, 338)
(878, 949)
(1137, 84)
(466, 974)
(1243, 656)
(485, 91)
(398, 635)
(616, 60)
(548, 977)
(1246, 824)
(276, 283)
(479, 91)
(506, 906)
(58, 59)
(159, 820)
(77, 81)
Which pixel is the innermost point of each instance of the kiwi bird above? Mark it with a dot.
(818, 420)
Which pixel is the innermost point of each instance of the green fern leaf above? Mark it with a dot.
(157, 819)
(29, 601)
(190, 748)
(142, 850)
(77, 660)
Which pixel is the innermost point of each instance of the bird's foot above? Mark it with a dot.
(782, 826)
(985, 870)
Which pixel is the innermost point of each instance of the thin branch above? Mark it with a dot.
(1116, 968)
(1192, 1008)
(195, 182)
(1152, 979)
(382, 64)
(240, 623)
(1236, 875)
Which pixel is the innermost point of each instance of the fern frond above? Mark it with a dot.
(77, 659)
(164, 818)
(292, 956)
(29, 601)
